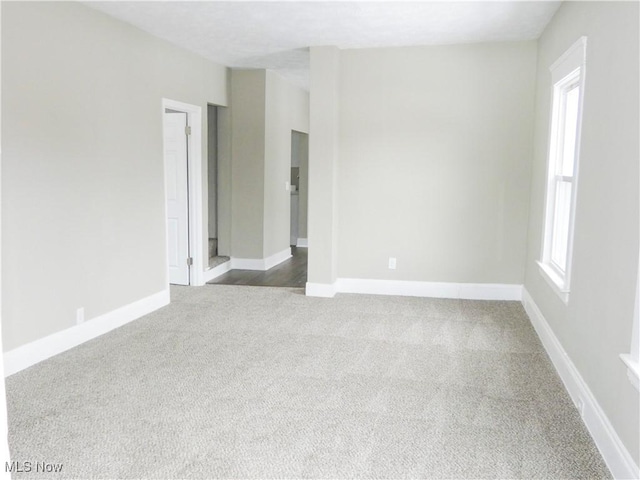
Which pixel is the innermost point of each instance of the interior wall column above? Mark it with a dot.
(323, 160)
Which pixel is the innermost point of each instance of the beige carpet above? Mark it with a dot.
(256, 382)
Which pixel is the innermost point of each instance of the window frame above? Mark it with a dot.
(632, 359)
(567, 72)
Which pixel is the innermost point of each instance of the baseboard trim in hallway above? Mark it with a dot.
(260, 264)
(35, 352)
(290, 271)
(615, 455)
(215, 272)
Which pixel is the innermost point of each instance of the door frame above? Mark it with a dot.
(194, 169)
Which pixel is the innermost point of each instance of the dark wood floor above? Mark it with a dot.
(290, 273)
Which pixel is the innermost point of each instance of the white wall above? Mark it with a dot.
(596, 326)
(287, 109)
(82, 180)
(4, 433)
(247, 160)
(265, 109)
(277, 158)
(434, 159)
(323, 158)
(224, 178)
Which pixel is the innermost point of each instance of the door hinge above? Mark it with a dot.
(187, 130)
(190, 261)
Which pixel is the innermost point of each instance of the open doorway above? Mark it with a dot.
(213, 167)
(299, 188)
(291, 272)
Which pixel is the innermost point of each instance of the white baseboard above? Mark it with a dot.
(471, 291)
(327, 290)
(277, 258)
(615, 455)
(302, 242)
(247, 263)
(215, 272)
(27, 355)
(261, 263)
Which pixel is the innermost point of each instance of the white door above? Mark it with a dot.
(176, 177)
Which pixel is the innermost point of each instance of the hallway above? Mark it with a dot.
(291, 273)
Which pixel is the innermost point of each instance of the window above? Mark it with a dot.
(567, 76)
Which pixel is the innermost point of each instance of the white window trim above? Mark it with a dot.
(556, 282)
(632, 359)
(573, 59)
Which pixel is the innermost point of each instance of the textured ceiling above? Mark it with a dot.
(276, 35)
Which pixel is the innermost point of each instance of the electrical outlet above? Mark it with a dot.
(580, 407)
(392, 263)
(80, 316)
(287, 186)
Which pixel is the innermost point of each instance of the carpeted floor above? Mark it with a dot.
(258, 382)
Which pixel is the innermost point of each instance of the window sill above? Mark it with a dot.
(554, 281)
(633, 370)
